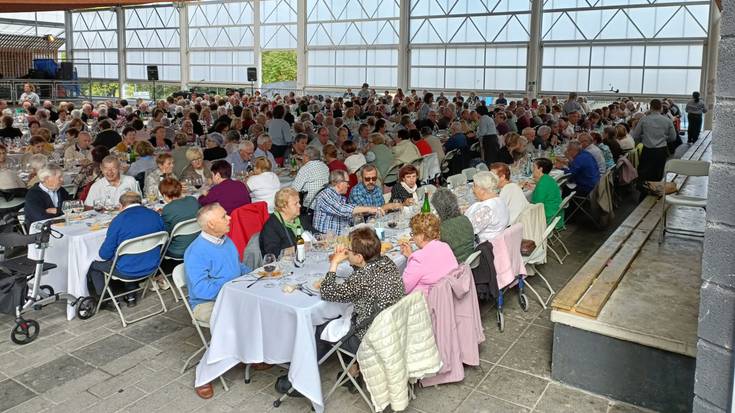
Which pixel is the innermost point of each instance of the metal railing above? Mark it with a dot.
(53, 90)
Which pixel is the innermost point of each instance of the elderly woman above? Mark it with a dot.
(510, 192)
(262, 183)
(145, 161)
(213, 150)
(164, 169)
(178, 208)
(35, 163)
(36, 146)
(7, 130)
(198, 168)
(44, 199)
(515, 147)
(405, 190)
(432, 261)
(489, 215)
(281, 228)
(159, 140)
(547, 191)
(456, 229)
(374, 285)
(91, 171)
(331, 158)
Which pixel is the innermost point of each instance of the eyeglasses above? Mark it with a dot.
(370, 179)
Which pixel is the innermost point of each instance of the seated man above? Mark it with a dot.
(582, 167)
(211, 260)
(312, 175)
(369, 191)
(81, 152)
(43, 200)
(133, 221)
(332, 212)
(112, 185)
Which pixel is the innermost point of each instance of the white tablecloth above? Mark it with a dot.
(73, 254)
(264, 324)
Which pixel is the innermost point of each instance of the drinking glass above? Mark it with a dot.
(67, 208)
(269, 263)
(99, 205)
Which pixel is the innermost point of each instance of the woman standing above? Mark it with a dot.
(695, 108)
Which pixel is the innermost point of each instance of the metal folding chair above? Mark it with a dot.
(469, 173)
(183, 228)
(555, 236)
(482, 167)
(687, 168)
(457, 180)
(179, 277)
(527, 261)
(133, 246)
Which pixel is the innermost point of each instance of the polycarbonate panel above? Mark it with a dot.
(505, 79)
(428, 78)
(566, 56)
(94, 35)
(505, 56)
(381, 76)
(465, 57)
(462, 78)
(674, 55)
(671, 81)
(564, 79)
(618, 55)
(624, 80)
(427, 57)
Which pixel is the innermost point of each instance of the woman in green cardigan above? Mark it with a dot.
(547, 191)
(456, 229)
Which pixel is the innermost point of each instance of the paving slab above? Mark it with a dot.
(562, 399)
(479, 402)
(54, 373)
(106, 350)
(13, 393)
(513, 386)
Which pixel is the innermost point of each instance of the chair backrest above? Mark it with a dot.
(428, 188)
(565, 202)
(179, 277)
(474, 259)
(482, 167)
(392, 175)
(687, 167)
(448, 157)
(187, 227)
(457, 180)
(143, 243)
(475, 147)
(13, 203)
(469, 173)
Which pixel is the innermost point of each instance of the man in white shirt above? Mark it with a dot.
(585, 141)
(264, 149)
(112, 185)
(312, 176)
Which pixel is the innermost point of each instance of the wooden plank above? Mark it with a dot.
(641, 210)
(603, 287)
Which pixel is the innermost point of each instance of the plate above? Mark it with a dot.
(272, 275)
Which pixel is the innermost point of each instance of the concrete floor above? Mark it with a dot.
(98, 364)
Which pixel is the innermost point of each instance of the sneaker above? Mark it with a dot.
(163, 283)
(131, 301)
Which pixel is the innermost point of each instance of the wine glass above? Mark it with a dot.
(269, 263)
(67, 208)
(99, 205)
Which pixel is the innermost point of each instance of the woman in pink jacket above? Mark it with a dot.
(432, 261)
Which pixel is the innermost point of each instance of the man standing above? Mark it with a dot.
(133, 221)
(655, 131)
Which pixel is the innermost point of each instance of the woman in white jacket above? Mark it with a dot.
(263, 184)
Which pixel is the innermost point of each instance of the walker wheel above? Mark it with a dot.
(86, 308)
(47, 290)
(523, 301)
(247, 381)
(25, 331)
(276, 403)
(501, 322)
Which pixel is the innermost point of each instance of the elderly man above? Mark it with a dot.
(264, 149)
(211, 260)
(322, 138)
(43, 200)
(80, 152)
(655, 131)
(332, 212)
(107, 136)
(43, 120)
(134, 220)
(404, 150)
(585, 141)
(112, 185)
(369, 191)
(582, 167)
(312, 176)
(543, 137)
(242, 160)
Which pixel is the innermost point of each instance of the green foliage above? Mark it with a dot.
(278, 66)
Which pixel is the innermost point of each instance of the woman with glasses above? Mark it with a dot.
(198, 168)
(432, 260)
(279, 231)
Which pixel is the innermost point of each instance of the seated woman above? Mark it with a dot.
(178, 208)
(456, 229)
(489, 215)
(432, 261)
(375, 284)
(35, 163)
(404, 191)
(198, 168)
(279, 231)
(145, 161)
(262, 183)
(164, 169)
(547, 191)
(510, 192)
(354, 160)
(213, 150)
(514, 148)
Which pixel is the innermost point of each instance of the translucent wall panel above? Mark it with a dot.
(94, 36)
(152, 38)
(278, 24)
(358, 37)
(220, 41)
(470, 44)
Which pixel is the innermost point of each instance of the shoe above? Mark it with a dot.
(163, 283)
(131, 301)
(205, 392)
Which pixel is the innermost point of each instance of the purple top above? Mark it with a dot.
(229, 193)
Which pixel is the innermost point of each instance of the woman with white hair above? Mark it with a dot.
(263, 183)
(489, 215)
(198, 168)
(44, 199)
(36, 162)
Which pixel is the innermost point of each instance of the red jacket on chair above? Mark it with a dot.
(247, 221)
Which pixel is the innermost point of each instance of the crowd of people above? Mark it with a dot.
(338, 150)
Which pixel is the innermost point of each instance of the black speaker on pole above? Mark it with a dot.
(252, 74)
(152, 72)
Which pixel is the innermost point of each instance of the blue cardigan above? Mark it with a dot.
(585, 172)
(133, 222)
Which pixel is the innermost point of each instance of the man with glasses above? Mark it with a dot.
(332, 212)
(112, 184)
(369, 191)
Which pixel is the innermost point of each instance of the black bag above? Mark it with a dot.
(283, 386)
(13, 289)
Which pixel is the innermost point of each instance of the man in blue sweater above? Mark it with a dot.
(583, 169)
(133, 221)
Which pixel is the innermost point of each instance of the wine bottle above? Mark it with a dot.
(426, 208)
(300, 249)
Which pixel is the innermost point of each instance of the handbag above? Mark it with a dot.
(527, 247)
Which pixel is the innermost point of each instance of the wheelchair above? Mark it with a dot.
(21, 287)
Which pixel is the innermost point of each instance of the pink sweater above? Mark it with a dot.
(425, 267)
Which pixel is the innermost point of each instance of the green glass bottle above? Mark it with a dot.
(426, 208)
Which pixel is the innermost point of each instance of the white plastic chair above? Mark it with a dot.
(482, 167)
(469, 173)
(430, 189)
(473, 260)
(528, 262)
(457, 180)
(13, 203)
(555, 237)
(386, 197)
(391, 177)
(687, 168)
(179, 278)
(133, 246)
(182, 229)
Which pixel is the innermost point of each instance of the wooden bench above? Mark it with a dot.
(590, 288)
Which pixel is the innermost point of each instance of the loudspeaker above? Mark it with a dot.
(152, 72)
(66, 71)
(252, 74)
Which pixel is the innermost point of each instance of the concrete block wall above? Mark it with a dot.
(713, 377)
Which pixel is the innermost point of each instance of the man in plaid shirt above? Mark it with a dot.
(312, 176)
(332, 212)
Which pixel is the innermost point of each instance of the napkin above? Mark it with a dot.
(337, 328)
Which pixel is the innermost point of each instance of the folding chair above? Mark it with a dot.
(687, 168)
(179, 278)
(482, 167)
(391, 177)
(469, 173)
(386, 197)
(430, 189)
(447, 162)
(183, 228)
(528, 261)
(457, 180)
(134, 246)
(473, 259)
(555, 236)
(584, 203)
